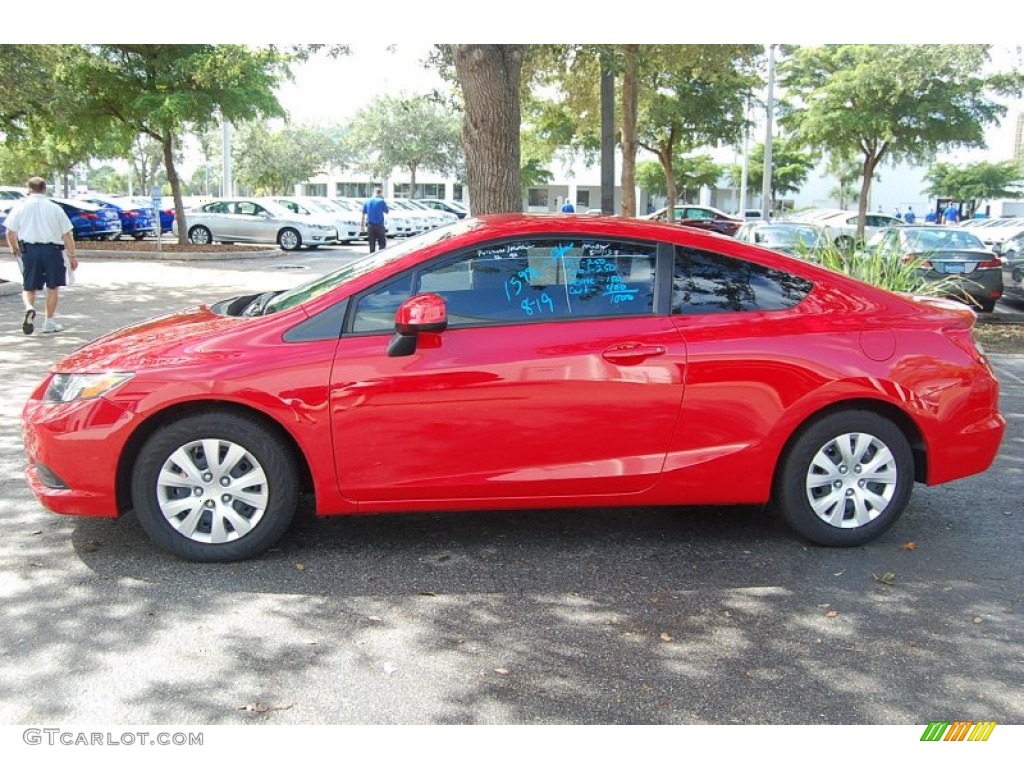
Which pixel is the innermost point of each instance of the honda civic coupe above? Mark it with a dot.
(508, 362)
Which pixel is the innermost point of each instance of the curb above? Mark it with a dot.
(113, 255)
(7, 287)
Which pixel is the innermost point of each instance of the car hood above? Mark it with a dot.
(168, 340)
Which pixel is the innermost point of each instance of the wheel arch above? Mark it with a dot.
(881, 408)
(130, 453)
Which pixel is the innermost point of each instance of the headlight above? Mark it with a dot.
(67, 387)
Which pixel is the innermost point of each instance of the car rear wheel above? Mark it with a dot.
(844, 243)
(215, 487)
(289, 239)
(845, 479)
(200, 235)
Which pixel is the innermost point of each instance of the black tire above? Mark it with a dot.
(289, 239)
(185, 503)
(139, 235)
(200, 235)
(986, 305)
(844, 243)
(864, 500)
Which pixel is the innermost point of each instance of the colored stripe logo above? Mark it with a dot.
(958, 730)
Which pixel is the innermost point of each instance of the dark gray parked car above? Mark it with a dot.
(953, 255)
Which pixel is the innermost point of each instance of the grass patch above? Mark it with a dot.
(1000, 338)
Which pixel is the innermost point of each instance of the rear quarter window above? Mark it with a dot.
(709, 283)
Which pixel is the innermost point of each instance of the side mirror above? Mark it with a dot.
(425, 313)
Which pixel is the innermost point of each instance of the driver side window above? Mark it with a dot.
(525, 281)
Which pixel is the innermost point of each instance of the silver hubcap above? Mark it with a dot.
(289, 240)
(851, 480)
(212, 491)
(200, 237)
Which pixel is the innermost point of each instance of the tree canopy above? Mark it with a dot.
(891, 102)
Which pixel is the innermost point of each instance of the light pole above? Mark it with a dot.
(228, 184)
(766, 186)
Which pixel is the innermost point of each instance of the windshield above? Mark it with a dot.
(786, 236)
(321, 285)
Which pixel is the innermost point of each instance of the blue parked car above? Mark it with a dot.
(136, 220)
(166, 211)
(91, 222)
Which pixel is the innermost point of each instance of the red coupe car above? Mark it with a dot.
(511, 362)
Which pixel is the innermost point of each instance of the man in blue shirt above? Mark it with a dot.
(568, 207)
(910, 218)
(373, 220)
(951, 215)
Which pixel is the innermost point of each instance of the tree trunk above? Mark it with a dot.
(489, 76)
(167, 141)
(629, 108)
(670, 182)
(870, 163)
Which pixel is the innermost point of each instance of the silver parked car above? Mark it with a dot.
(257, 220)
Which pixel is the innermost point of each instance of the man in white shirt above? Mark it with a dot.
(37, 231)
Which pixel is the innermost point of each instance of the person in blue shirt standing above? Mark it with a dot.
(909, 216)
(567, 207)
(951, 215)
(373, 220)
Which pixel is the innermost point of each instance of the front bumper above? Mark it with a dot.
(73, 451)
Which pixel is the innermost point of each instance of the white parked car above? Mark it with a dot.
(841, 226)
(441, 217)
(396, 223)
(451, 206)
(1000, 230)
(345, 221)
(256, 220)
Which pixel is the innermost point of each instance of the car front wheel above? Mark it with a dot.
(215, 487)
(289, 240)
(200, 236)
(845, 479)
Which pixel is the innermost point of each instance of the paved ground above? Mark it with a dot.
(598, 616)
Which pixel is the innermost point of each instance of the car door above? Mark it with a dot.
(556, 375)
(255, 223)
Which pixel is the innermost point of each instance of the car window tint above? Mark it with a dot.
(527, 281)
(707, 283)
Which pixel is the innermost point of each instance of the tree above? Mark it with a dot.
(273, 162)
(410, 132)
(693, 96)
(791, 165)
(891, 102)
(158, 90)
(975, 183)
(489, 76)
(654, 80)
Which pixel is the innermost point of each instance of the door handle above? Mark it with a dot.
(632, 353)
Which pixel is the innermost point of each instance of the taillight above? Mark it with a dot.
(89, 216)
(131, 214)
(993, 262)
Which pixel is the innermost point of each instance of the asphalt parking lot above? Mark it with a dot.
(600, 616)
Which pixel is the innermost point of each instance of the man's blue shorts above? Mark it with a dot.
(43, 265)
